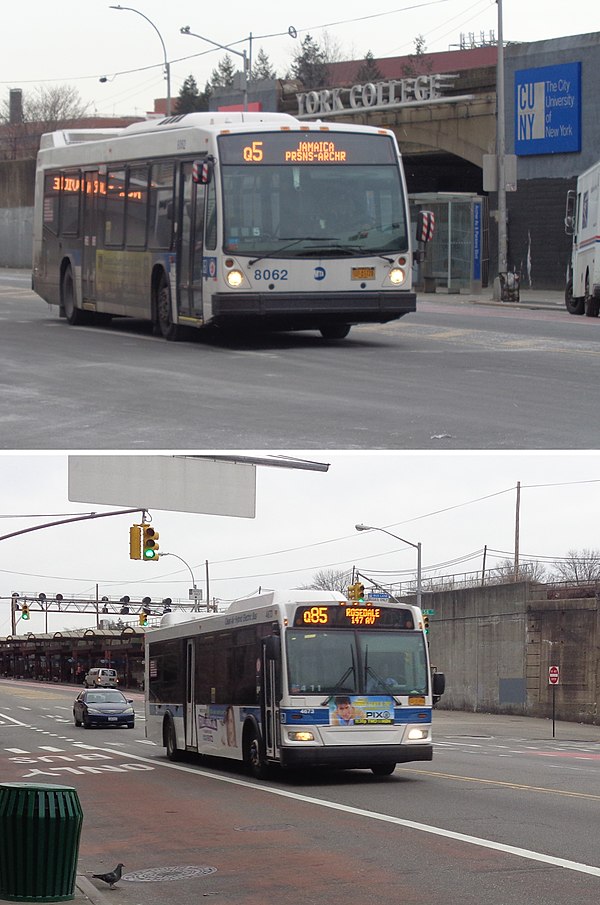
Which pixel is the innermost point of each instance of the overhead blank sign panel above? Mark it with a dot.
(173, 483)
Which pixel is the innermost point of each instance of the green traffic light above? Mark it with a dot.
(149, 553)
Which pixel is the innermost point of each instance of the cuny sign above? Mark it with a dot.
(548, 109)
(424, 89)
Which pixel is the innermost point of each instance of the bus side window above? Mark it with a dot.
(114, 227)
(211, 217)
(51, 195)
(69, 202)
(136, 206)
(161, 205)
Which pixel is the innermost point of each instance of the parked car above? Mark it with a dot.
(100, 676)
(103, 707)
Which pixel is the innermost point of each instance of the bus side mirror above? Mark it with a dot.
(202, 171)
(273, 647)
(425, 226)
(438, 685)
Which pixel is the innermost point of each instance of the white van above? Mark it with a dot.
(101, 677)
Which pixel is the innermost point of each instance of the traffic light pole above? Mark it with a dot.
(77, 518)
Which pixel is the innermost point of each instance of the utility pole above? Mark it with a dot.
(501, 149)
(518, 507)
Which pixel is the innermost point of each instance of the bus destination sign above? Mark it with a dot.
(307, 148)
(349, 616)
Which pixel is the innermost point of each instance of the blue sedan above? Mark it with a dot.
(103, 707)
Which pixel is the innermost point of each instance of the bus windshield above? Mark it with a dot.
(286, 206)
(356, 662)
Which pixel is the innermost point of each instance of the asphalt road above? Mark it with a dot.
(504, 814)
(452, 376)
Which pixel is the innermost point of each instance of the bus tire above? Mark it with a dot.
(74, 316)
(383, 769)
(334, 331)
(164, 312)
(253, 755)
(173, 752)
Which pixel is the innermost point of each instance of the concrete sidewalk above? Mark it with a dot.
(531, 299)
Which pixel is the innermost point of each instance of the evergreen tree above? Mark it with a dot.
(416, 65)
(309, 65)
(189, 96)
(222, 76)
(262, 68)
(369, 70)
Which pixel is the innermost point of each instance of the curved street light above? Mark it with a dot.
(167, 66)
(417, 547)
(185, 30)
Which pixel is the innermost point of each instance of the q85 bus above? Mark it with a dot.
(229, 219)
(296, 679)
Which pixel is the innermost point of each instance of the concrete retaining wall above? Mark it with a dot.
(495, 645)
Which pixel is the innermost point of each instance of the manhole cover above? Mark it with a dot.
(159, 874)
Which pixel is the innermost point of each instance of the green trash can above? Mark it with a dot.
(40, 826)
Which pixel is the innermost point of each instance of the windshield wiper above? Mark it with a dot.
(338, 687)
(295, 241)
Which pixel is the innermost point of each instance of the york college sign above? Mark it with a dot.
(424, 89)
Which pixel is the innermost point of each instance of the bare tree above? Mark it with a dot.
(329, 580)
(579, 567)
(52, 105)
(505, 571)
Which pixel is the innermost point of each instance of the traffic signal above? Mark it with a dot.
(356, 592)
(143, 619)
(135, 542)
(150, 543)
(426, 624)
(25, 611)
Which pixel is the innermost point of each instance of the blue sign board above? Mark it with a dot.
(477, 240)
(548, 109)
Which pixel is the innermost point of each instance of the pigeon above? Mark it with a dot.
(112, 877)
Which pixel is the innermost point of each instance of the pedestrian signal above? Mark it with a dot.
(135, 542)
(25, 611)
(150, 543)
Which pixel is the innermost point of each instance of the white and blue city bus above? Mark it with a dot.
(230, 219)
(301, 679)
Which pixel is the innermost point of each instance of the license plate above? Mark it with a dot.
(363, 273)
(113, 719)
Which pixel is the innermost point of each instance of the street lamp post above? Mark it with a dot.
(167, 65)
(185, 30)
(404, 541)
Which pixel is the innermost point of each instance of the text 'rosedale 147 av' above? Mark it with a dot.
(300, 679)
(229, 219)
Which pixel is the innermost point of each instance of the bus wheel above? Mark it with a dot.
(253, 756)
(574, 306)
(383, 769)
(335, 331)
(164, 312)
(73, 314)
(173, 752)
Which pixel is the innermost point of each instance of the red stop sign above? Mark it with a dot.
(553, 675)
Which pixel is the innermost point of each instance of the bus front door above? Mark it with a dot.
(190, 716)
(271, 696)
(91, 194)
(190, 229)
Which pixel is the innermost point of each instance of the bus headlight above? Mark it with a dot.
(301, 735)
(397, 276)
(414, 734)
(235, 278)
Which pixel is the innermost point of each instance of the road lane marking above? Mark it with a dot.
(528, 854)
(11, 719)
(522, 787)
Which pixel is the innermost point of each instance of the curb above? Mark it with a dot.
(88, 891)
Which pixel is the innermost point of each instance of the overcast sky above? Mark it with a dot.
(453, 504)
(76, 42)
